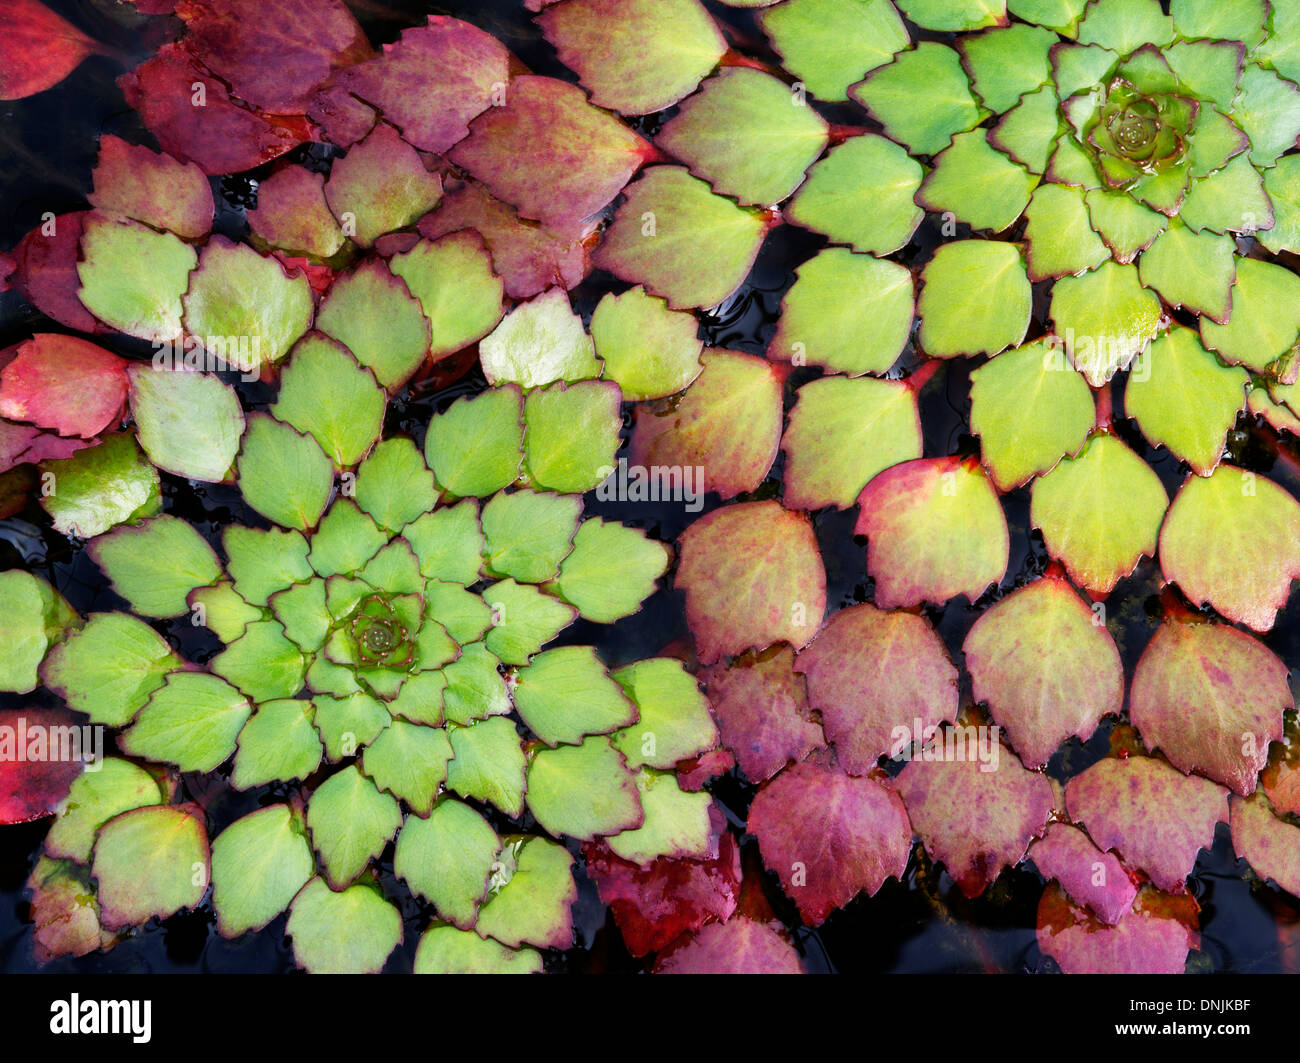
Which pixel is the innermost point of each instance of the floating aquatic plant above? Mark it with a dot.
(1113, 202)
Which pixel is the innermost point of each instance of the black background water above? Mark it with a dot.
(922, 924)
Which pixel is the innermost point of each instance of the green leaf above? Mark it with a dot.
(1060, 15)
(150, 862)
(539, 342)
(1282, 185)
(222, 611)
(351, 822)
(679, 240)
(263, 562)
(301, 610)
(345, 540)
(1214, 140)
(583, 791)
(1281, 48)
(421, 698)
(921, 98)
(446, 950)
(1007, 62)
(1080, 66)
(1099, 513)
(843, 432)
(116, 786)
(861, 194)
(1104, 319)
(410, 762)
(1265, 318)
(830, 44)
(611, 570)
(488, 764)
(976, 183)
(109, 668)
(394, 570)
(279, 743)
(571, 433)
(1209, 70)
(1268, 111)
(475, 446)
(155, 564)
(448, 542)
(955, 15)
(1029, 409)
(352, 932)
(349, 722)
(1123, 223)
(1226, 20)
(458, 292)
(446, 859)
(1029, 130)
(934, 529)
(1061, 239)
(648, 350)
(531, 896)
(188, 423)
(380, 185)
(1195, 270)
(259, 863)
(674, 722)
(1229, 200)
(1125, 26)
(32, 616)
(714, 133)
(677, 44)
(676, 823)
(463, 613)
(1254, 525)
(373, 315)
(865, 334)
(524, 620)
(132, 277)
(324, 393)
(565, 694)
(529, 533)
(262, 663)
(394, 485)
(975, 299)
(1184, 399)
(100, 487)
(1071, 165)
(283, 474)
(240, 301)
(191, 721)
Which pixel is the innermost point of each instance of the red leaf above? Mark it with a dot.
(133, 181)
(694, 773)
(1155, 817)
(430, 84)
(38, 49)
(655, 905)
(549, 153)
(1211, 699)
(7, 267)
(829, 836)
(292, 214)
(319, 277)
(22, 444)
(529, 257)
(911, 680)
(273, 53)
(761, 706)
(36, 762)
(974, 820)
(741, 946)
(47, 271)
(63, 383)
(753, 576)
(1088, 875)
(1154, 938)
(220, 136)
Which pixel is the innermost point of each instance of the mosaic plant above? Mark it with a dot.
(1080, 217)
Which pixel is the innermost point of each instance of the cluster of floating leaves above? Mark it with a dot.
(384, 669)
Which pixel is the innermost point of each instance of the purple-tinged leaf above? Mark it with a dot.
(1091, 877)
(740, 946)
(753, 576)
(65, 384)
(1211, 699)
(913, 684)
(1269, 844)
(36, 765)
(64, 911)
(379, 186)
(46, 271)
(761, 705)
(292, 214)
(1152, 815)
(153, 188)
(829, 836)
(1153, 938)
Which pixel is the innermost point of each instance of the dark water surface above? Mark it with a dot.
(923, 924)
